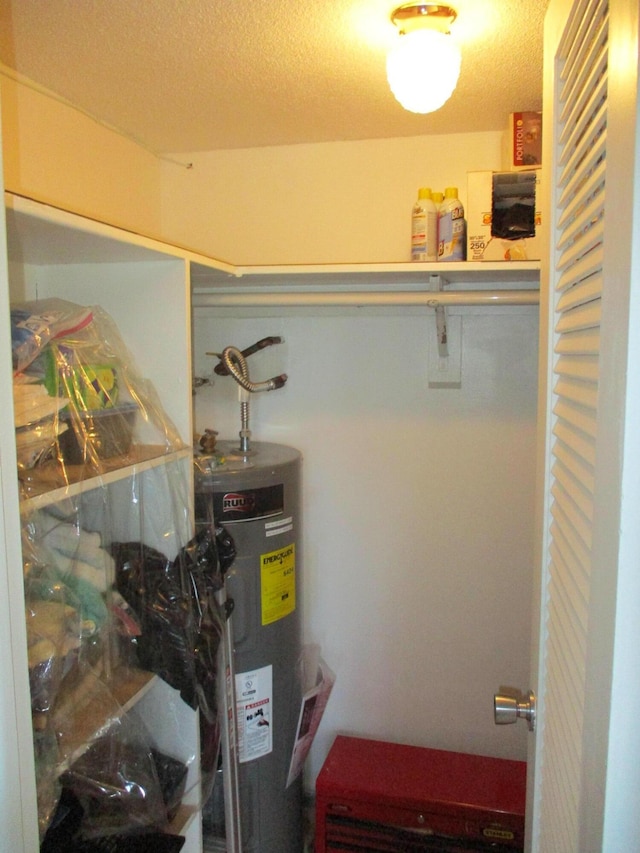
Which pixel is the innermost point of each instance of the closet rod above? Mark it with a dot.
(428, 299)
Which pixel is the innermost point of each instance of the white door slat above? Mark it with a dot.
(567, 603)
(572, 515)
(580, 154)
(568, 712)
(577, 439)
(562, 791)
(570, 181)
(585, 218)
(580, 469)
(590, 184)
(585, 341)
(577, 416)
(571, 546)
(581, 293)
(571, 572)
(569, 675)
(583, 24)
(582, 244)
(578, 392)
(582, 497)
(583, 367)
(585, 316)
(563, 671)
(587, 266)
(589, 108)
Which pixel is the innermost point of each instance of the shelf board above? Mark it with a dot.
(92, 719)
(51, 482)
(184, 816)
(41, 234)
(337, 276)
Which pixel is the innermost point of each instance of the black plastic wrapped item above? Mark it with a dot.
(161, 600)
(116, 782)
(81, 808)
(63, 836)
(172, 776)
(225, 547)
(199, 562)
(148, 842)
(180, 621)
(513, 205)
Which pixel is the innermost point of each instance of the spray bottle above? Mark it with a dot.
(424, 228)
(452, 232)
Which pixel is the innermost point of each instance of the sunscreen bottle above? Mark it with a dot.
(424, 225)
(452, 234)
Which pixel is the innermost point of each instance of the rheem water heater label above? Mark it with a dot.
(278, 583)
(254, 706)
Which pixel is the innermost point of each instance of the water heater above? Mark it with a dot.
(255, 495)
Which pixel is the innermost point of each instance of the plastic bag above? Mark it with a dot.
(34, 324)
(116, 781)
(101, 793)
(96, 411)
(63, 836)
(53, 642)
(173, 601)
(100, 421)
(180, 623)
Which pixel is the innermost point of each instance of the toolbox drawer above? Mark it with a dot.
(379, 796)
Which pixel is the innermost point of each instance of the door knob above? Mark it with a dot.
(508, 708)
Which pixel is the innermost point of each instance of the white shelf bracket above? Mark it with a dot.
(445, 351)
(436, 283)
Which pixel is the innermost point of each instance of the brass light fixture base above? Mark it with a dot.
(411, 16)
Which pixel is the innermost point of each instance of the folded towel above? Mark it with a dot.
(74, 542)
(101, 579)
(32, 403)
(83, 599)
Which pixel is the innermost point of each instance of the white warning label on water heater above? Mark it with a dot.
(254, 706)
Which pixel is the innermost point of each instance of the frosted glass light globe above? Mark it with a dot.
(423, 69)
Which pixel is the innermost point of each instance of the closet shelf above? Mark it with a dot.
(41, 234)
(92, 717)
(406, 274)
(360, 285)
(51, 483)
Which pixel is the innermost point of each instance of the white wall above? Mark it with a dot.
(418, 506)
(57, 155)
(332, 202)
(327, 203)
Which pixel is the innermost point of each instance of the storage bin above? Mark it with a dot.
(99, 434)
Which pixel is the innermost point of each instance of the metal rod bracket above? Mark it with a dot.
(445, 357)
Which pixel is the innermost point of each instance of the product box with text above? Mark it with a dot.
(522, 142)
(503, 216)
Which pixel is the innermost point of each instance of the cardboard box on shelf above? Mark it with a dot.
(503, 216)
(522, 142)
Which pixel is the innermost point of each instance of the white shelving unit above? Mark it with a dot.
(149, 289)
(144, 286)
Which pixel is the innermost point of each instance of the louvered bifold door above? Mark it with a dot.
(579, 198)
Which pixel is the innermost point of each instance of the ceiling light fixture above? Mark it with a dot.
(423, 66)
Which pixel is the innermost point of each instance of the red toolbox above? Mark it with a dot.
(378, 796)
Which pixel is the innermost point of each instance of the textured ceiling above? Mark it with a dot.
(196, 75)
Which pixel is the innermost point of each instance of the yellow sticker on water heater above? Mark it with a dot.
(278, 583)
